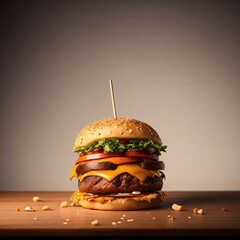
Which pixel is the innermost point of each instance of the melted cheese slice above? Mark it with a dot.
(133, 169)
(73, 172)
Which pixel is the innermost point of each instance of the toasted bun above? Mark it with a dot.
(121, 204)
(146, 201)
(121, 128)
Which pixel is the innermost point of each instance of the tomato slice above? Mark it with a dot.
(103, 155)
(97, 156)
(115, 160)
(141, 154)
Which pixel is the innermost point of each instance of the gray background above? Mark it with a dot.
(174, 65)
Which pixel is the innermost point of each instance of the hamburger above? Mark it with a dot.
(118, 166)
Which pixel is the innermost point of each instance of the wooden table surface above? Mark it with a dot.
(164, 221)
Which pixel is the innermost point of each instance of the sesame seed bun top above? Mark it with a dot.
(120, 128)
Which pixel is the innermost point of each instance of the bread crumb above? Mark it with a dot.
(95, 223)
(200, 211)
(63, 204)
(177, 207)
(170, 217)
(28, 209)
(195, 211)
(224, 209)
(36, 199)
(130, 220)
(45, 208)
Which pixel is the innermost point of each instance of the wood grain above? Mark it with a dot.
(163, 221)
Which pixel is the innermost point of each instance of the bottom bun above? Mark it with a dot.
(142, 201)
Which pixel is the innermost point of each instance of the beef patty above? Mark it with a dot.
(123, 183)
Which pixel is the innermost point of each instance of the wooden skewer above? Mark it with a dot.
(113, 100)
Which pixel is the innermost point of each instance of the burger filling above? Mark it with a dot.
(119, 166)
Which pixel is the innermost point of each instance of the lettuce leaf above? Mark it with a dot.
(113, 145)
